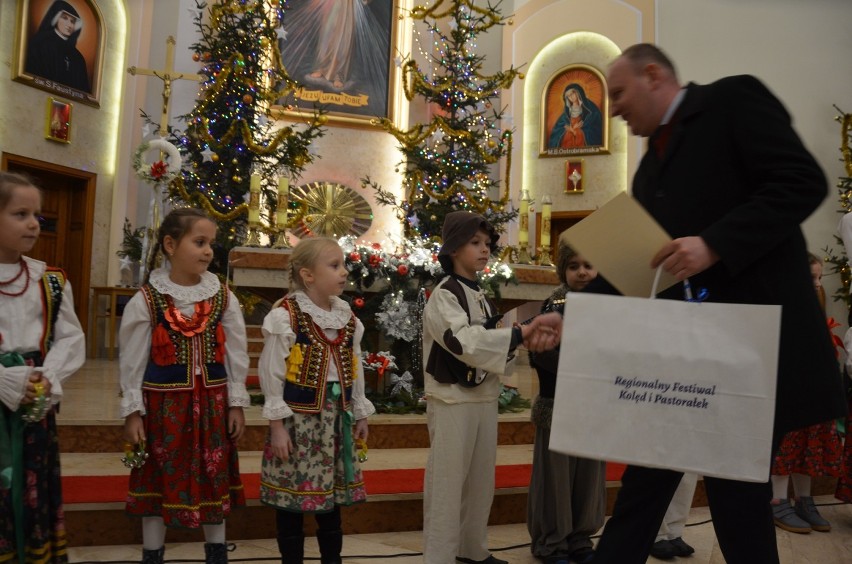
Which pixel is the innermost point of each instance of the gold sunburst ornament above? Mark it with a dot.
(332, 209)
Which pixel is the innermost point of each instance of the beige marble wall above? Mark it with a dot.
(546, 36)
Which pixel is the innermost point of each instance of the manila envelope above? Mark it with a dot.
(620, 239)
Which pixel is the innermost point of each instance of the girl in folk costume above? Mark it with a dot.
(803, 454)
(41, 344)
(183, 370)
(312, 379)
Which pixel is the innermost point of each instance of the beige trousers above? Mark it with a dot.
(459, 482)
(678, 511)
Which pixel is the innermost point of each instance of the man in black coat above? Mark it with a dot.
(728, 178)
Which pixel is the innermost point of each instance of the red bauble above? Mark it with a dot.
(374, 260)
(247, 99)
(196, 57)
(358, 302)
(402, 270)
(355, 256)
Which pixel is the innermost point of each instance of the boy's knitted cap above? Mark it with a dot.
(460, 227)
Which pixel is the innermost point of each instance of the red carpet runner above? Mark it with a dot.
(106, 489)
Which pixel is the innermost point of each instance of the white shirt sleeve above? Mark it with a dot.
(13, 385)
(236, 353)
(134, 339)
(278, 338)
(361, 406)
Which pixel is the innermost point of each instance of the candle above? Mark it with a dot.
(524, 230)
(546, 206)
(254, 199)
(283, 194)
(531, 223)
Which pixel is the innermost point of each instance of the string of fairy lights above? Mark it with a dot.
(229, 135)
(447, 160)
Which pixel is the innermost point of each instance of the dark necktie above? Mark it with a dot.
(660, 139)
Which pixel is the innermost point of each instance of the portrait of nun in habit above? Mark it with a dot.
(52, 52)
(340, 47)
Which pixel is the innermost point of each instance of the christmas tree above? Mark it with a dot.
(447, 162)
(229, 136)
(839, 261)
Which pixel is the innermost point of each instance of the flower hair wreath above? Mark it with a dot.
(158, 171)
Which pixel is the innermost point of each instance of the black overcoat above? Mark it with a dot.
(735, 173)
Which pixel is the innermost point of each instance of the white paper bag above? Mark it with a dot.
(668, 384)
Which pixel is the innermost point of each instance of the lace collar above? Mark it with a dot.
(337, 318)
(204, 290)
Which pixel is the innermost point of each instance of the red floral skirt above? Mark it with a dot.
(813, 451)
(844, 485)
(43, 516)
(192, 475)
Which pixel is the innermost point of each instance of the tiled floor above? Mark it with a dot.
(510, 542)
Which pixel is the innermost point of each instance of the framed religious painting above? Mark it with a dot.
(60, 48)
(575, 113)
(342, 56)
(57, 125)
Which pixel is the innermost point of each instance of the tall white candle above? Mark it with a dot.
(523, 216)
(546, 208)
(254, 199)
(283, 195)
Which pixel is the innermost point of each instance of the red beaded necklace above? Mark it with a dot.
(25, 271)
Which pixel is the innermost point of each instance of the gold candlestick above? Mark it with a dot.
(544, 258)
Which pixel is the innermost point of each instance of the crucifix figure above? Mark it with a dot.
(167, 75)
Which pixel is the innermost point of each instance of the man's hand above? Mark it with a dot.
(685, 257)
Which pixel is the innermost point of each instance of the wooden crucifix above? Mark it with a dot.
(167, 75)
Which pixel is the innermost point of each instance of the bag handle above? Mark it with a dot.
(687, 288)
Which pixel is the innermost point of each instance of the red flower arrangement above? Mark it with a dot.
(159, 169)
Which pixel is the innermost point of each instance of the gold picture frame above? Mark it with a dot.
(583, 129)
(364, 86)
(57, 123)
(59, 48)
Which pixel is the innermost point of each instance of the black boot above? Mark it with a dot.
(292, 549)
(153, 556)
(330, 545)
(215, 553)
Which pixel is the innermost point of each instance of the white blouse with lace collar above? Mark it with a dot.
(278, 339)
(204, 290)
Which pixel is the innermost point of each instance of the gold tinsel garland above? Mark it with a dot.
(177, 185)
(422, 12)
(413, 82)
(845, 125)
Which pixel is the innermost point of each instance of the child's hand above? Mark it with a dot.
(361, 429)
(236, 422)
(134, 428)
(30, 392)
(543, 333)
(279, 439)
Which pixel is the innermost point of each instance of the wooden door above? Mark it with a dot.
(68, 200)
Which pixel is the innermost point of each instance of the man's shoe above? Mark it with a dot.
(785, 518)
(664, 550)
(806, 509)
(682, 548)
(582, 555)
(489, 560)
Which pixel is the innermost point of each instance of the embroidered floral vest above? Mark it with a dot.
(178, 343)
(52, 286)
(308, 362)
